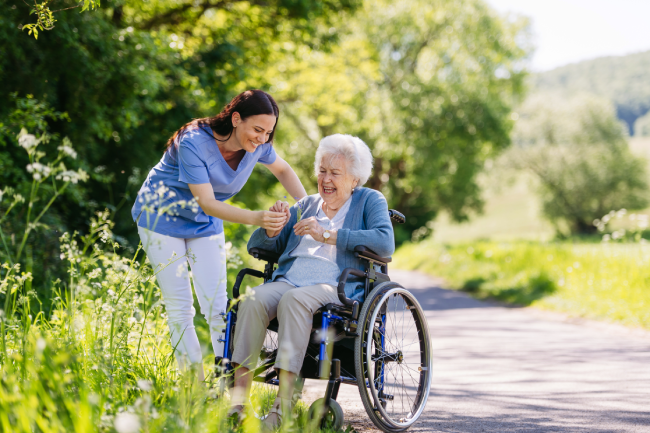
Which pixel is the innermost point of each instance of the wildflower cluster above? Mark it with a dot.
(41, 171)
(636, 224)
(159, 201)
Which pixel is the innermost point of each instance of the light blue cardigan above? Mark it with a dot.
(367, 223)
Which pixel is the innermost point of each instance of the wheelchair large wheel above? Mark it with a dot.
(393, 357)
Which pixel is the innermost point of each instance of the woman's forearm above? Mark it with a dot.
(227, 212)
(289, 180)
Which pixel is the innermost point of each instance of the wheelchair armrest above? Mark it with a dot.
(364, 252)
(240, 278)
(265, 255)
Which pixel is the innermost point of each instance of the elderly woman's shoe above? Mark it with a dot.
(281, 408)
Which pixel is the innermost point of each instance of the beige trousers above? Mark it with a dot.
(294, 307)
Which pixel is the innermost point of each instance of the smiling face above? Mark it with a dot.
(335, 183)
(253, 131)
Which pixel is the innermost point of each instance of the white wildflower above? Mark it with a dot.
(144, 385)
(95, 273)
(40, 344)
(72, 176)
(27, 141)
(126, 422)
(38, 170)
(69, 151)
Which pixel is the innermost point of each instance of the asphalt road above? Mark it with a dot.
(499, 369)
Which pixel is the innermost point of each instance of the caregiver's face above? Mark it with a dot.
(253, 131)
(335, 183)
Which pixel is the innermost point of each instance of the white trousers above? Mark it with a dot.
(207, 259)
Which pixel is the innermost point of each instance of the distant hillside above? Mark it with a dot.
(625, 80)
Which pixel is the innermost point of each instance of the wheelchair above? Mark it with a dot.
(382, 346)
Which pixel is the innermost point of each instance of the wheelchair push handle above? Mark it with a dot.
(396, 217)
(264, 255)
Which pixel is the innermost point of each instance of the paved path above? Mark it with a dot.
(499, 369)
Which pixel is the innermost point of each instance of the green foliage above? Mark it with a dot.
(577, 150)
(39, 169)
(606, 281)
(427, 85)
(100, 360)
(136, 71)
(623, 80)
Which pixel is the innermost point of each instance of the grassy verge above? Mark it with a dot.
(100, 360)
(600, 281)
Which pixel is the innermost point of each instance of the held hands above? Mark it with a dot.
(276, 217)
(309, 226)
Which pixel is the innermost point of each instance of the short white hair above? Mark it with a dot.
(353, 149)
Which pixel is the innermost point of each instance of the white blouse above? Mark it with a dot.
(315, 261)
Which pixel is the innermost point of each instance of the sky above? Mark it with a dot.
(568, 31)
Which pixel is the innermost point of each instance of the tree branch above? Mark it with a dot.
(174, 16)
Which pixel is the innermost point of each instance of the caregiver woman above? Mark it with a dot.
(209, 159)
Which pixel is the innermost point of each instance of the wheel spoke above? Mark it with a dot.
(391, 357)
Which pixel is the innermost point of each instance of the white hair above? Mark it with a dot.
(353, 149)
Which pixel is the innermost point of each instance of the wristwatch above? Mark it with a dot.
(326, 235)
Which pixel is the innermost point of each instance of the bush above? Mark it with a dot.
(578, 151)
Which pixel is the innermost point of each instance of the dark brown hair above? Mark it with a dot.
(248, 103)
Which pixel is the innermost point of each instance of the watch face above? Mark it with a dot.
(326, 235)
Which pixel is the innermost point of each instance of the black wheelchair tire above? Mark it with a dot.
(369, 306)
(330, 417)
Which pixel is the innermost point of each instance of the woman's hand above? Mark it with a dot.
(270, 220)
(281, 207)
(309, 226)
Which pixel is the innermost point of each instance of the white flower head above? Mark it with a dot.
(66, 148)
(72, 176)
(126, 422)
(27, 141)
(144, 385)
(38, 170)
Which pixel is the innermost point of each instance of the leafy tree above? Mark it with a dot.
(428, 85)
(130, 73)
(577, 148)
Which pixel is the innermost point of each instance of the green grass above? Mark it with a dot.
(100, 359)
(600, 281)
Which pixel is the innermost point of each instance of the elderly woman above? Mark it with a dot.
(315, 247)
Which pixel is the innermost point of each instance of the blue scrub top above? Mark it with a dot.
(194, 159)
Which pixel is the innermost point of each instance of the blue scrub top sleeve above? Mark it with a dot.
(191, 168)
(268, 155)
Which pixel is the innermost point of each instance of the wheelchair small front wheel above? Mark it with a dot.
(393, 357)
(330, 417)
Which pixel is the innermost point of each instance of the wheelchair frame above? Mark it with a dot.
(344, 318)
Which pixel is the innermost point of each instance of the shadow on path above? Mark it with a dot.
(499, 369)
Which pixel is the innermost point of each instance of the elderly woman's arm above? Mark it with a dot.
(277, 244)
(379, 233)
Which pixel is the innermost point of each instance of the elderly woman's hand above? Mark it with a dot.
(309, 226)
(281, 207)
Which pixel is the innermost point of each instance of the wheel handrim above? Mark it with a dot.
(407, 364)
